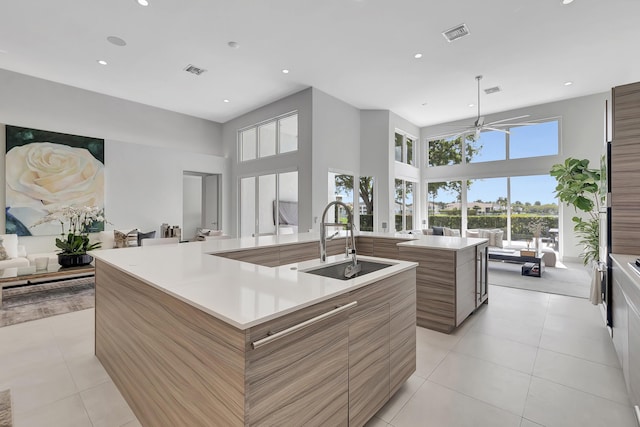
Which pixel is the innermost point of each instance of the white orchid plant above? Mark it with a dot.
(75, 241)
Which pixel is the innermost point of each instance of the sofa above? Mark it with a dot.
(495, 238)
(16, 254)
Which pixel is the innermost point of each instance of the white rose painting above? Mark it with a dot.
(46, 171)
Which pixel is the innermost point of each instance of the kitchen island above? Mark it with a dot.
(191, 338)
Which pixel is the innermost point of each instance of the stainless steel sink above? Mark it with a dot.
(337, 271)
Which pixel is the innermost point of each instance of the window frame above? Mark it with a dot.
(256, 128)
(404, 147)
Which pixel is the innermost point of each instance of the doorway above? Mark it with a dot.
(200, 203)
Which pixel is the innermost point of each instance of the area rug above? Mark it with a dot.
(32, 302)
(574, 281)
(5, 409)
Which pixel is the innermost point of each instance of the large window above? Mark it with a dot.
(404, 148)
(532, 141)
(341, 190)
(489, 146)
(487, 203)
(512, 204)
(366, 203)
(269, 204)
(444, 204)
(403, 205)
(517, 142)
(270, 138)
(533, 200)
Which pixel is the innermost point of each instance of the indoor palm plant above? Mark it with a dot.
(579, 186)
(74, 242)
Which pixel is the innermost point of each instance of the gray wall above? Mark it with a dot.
(336, 146)
(299, 160)
(146, 148)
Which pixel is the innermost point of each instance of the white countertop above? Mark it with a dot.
(230, 245)
(422, 240)
(239, 293)
(447, 243)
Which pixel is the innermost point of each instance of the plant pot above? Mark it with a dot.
(74, 260)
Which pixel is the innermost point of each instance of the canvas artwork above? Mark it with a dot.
(46, 171)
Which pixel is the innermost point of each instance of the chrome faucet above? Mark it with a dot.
(354, 268)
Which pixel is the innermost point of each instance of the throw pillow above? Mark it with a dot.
(427, 231)
(3, 252)
(438, 231)
(125, 240)
(473, 233)
(498, 238)
(455, 233)
(149, 235)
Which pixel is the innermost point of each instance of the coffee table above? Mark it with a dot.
(17, 276)
(518, 258)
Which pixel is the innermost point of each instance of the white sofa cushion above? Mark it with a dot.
(10, 243)
(14, 263)
(451, 232)
(495, 236)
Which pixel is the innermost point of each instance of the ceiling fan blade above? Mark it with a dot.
(513, 124)
(509, 119)
(497, 130)
(451, 135)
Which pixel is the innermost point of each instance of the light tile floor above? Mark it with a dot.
(527, 359)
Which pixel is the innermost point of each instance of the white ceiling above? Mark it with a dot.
(360, 51)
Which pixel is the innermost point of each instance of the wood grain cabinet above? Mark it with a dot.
(386, 248)
(625, 173)
(447, 284)
(308, 369)
(335, 363)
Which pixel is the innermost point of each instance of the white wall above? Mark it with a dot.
(299, 160)
(336, 146)
(376, 160)
(146, 148)
(582, 136)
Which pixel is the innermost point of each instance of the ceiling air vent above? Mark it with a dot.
(194, 70)
(456, 32)
(491, 90)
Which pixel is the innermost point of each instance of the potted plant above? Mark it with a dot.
(74, 243)
(579, 186)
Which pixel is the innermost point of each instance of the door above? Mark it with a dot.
(200, 203)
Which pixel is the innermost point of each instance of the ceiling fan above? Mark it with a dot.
(479, 125)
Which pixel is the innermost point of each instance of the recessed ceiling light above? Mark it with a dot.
(116, 41)
(143, 2)
(101, 62)
(568, 83)
(226, 101)
(567, 1)
(472, 105)
(285, 71)
(417, 55)
(233, 45)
